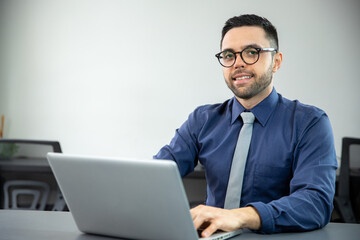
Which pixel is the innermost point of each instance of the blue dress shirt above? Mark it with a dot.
(290, 170)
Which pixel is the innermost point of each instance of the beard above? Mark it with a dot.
(258, 85)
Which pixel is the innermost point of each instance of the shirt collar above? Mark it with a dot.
(262, 111)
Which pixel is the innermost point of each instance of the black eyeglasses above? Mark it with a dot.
(249, 55)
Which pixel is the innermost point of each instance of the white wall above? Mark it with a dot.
(110, 77)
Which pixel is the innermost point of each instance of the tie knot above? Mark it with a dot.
(248, 117)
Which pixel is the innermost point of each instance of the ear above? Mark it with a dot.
(278, 58)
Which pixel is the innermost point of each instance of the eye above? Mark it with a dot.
(228, 55)
(250, 53)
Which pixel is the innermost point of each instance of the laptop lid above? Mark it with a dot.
(127, 198)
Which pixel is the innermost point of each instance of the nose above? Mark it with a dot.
(239, 63)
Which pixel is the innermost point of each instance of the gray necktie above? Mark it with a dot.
(233, 192)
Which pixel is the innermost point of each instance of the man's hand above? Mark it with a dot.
(214, 219)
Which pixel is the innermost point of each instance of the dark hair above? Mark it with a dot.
(252, 20)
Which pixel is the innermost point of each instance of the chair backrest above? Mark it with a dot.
(22, 148)
(37, 191)
(345, 168)
(354, 156)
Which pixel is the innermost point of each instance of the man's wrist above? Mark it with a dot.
(249, 217)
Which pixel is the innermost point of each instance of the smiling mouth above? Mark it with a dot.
(242, 78)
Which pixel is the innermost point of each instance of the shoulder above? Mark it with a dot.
(214, 108)
(304, 116)
(300, 110)
(210, 112)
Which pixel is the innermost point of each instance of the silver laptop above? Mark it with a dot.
(126, 198)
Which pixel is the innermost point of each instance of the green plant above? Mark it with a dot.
(8, 150)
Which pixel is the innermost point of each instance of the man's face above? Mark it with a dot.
(248, 81)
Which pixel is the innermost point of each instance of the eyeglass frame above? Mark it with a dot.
(240, 53)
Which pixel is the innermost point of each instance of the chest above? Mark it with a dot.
(271, 150)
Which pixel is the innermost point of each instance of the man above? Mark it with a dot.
(289, 176)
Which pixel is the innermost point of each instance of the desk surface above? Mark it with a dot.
(41, 225)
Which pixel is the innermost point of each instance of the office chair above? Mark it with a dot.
(342, 200)
(16, 191)
(195, 186)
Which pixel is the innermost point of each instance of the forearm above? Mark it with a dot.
(307, 207)
(301, 211)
